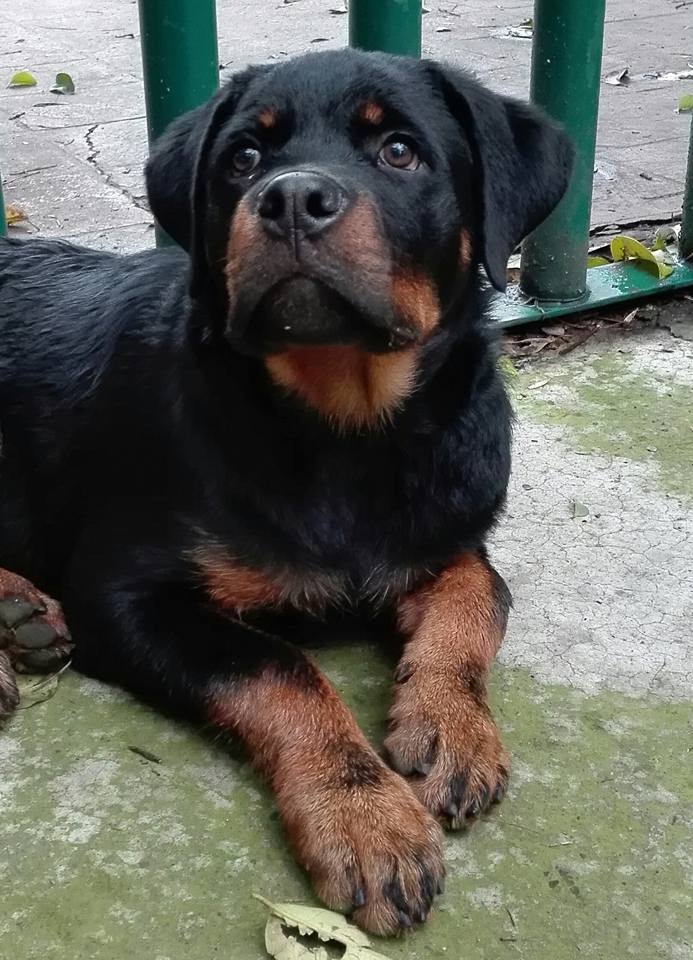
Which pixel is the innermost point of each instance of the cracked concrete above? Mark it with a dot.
(604, 600)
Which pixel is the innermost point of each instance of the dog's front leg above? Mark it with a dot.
(355, 825)
(440, 728)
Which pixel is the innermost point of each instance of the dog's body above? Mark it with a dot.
(318, 424)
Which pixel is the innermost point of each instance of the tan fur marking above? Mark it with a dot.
(440, 722)
(415, 300)
(370, 112)
(267, 118)
(357, 239)
(345, 384)
(348, 818)
(244, 233)
(234, 587)
(238, 588)
(465, 251)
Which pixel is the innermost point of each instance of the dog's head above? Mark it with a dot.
(346, 198)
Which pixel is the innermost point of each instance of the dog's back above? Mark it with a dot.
(68, 314)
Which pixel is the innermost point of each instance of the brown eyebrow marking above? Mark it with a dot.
(370, 112)
(267, 118)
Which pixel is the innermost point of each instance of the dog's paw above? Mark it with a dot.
(33, 634)
(370, 849)
(442, 736)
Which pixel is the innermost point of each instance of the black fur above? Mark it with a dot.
(134, 429)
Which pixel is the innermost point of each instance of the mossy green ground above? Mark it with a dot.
(108, 855)
(613, 409)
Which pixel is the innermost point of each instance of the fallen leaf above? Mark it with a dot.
(554, 330)
(685, 104)
(320, 40)
(33, 691)
(597, 262)
(578, 510)
(605, 170)
(618, 78)
(629, 317)
(538, 384)
(22, 79)
(665, 236)
(523, 31)
(507, 369)
(627, 248)
(297, 932)
(14, 215)
(63, 84)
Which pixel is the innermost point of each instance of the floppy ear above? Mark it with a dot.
(524, 161)
(176, 172)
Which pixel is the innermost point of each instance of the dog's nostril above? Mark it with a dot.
(322, 203)
(272, 205)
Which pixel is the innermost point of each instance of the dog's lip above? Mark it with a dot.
(387, 337)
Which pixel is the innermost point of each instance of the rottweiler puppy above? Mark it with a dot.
(298, 412)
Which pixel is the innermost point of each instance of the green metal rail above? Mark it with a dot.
(686, 241)
(390, 25)
(3, 228)
(566, 69)
(179, 59)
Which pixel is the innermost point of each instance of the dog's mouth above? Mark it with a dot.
(303, 308)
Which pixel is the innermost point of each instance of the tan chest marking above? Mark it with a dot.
(344, 384)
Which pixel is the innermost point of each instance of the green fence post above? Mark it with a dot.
(179, 59)
(686, 241)
(566, 67)
(393, 26)
(3, 227)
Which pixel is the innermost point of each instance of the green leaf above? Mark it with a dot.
(685, 104)
(295, 931)
(627, 248)
(507, 369)
(665, 237)
(597, 262)
(22, 79)
(63, 84)
(579, 510)
(14, 215)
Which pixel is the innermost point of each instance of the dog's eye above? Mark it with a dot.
(399, 153)
(245, 160)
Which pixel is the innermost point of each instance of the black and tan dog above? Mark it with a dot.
(301, 413)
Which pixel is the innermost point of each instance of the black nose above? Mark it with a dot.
(300, 202)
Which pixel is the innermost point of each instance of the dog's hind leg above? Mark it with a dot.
(33, 635)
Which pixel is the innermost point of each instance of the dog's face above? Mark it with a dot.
(344, 197)
(332, 209)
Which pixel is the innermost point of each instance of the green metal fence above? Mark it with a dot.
(179, 54)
